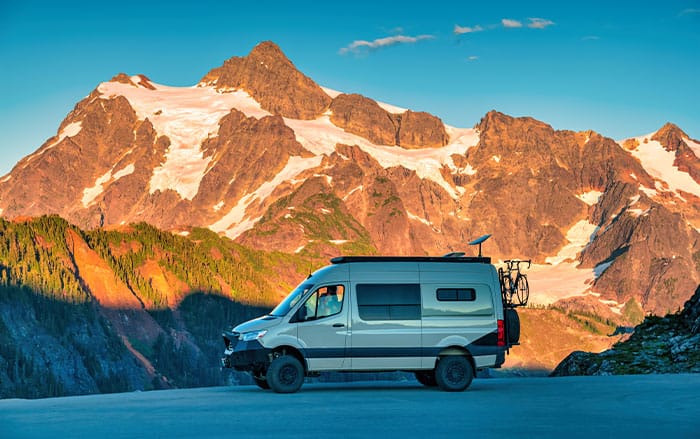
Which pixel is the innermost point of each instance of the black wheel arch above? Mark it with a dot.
(457, 350)
(290, 350)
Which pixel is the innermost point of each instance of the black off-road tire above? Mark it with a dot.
(285, 374)
(454, 373)
(426, 377)
(512, 326)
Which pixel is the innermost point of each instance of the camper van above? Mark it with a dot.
(442, 318)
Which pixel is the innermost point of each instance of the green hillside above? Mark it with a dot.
(57, 339)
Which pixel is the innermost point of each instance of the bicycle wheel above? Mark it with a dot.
(506, 289)
(522, 289)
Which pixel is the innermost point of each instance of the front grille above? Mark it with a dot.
(230, 339)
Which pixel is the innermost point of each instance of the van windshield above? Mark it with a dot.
(288, 303)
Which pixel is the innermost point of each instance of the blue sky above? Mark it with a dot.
(620, 68)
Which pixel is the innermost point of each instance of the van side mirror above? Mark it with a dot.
(299, 316)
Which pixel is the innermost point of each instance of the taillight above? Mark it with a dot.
(501, 333)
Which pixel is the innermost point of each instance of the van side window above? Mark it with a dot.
(324, 302)
(389, 301)
(330, 300)
(456, 294)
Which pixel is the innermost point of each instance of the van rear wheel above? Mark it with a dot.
(285, 374)
(426, 377)
(454, 373)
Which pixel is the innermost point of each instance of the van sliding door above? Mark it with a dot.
(386, 325)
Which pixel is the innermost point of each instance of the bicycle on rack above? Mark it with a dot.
(514, 283)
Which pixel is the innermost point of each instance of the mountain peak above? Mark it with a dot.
(267, 49)
(670, 136)
(136, 80)
(670, 129)
(272, 80)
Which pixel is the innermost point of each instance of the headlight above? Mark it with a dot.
(253, 335)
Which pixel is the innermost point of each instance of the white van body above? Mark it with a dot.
(391, 313)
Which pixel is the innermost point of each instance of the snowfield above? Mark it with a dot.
(190, 115)
(638, 406)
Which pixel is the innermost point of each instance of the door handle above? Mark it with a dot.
(338, 325)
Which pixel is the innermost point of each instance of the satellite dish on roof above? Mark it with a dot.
(479, 241)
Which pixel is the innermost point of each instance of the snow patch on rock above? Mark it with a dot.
(591, 197)
(109, 177)
(415, 217)
(320, 136)
(70, 130)
(235, 222)
(187, 116)
(579, 236)
(693, 145)
(658, 162)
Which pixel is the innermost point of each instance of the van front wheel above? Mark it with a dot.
(454, 373)
(285, 374)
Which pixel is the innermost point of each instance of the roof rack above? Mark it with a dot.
(449, 257)
(446, 258)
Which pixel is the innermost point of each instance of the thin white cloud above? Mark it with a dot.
(508, 22)
(459, 30)
(590, 38)
(690, 11)
(360, 45)
(539, 23)
(472, 58)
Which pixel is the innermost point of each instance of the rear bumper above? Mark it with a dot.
(500, 359)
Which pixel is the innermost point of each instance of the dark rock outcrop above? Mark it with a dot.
(420, 130)
(362, 116)
(659, 345)
(411, 130)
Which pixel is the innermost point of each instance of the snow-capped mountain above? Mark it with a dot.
(260, 153)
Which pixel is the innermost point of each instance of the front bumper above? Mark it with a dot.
(246, 356)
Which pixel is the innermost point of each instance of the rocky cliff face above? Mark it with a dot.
(411, 130)
(260, 153)
(271, 79)
(419, 130)
(363, 116)
(659, 345)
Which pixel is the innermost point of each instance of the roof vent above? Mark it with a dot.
(453, 255)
